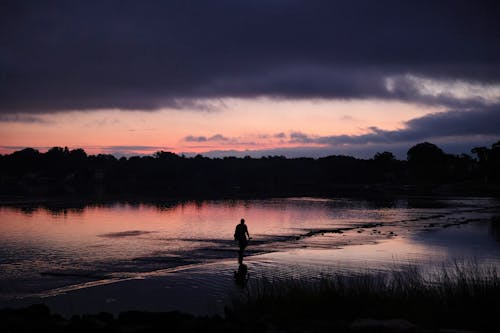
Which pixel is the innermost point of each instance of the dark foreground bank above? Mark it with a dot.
(464, 297)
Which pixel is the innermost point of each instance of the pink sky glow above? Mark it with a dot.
(231, 124)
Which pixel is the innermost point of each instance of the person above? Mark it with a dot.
(242, 236)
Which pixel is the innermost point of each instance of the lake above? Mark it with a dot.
(63, 253)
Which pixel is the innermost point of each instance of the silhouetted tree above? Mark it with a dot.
(426, 162)
(165, 155)
(384, 157)
(489, 162)
(385, 166)
(61, 170)
(78, 154)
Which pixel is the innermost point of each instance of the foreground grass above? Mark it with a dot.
(463, 296)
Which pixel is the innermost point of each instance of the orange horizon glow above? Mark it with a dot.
(243, 124)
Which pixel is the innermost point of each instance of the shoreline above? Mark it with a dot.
(398, 301)
(361, 192)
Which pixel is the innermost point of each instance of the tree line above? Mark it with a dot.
(61, 171)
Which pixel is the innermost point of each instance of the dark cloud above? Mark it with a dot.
(216, 137)
(22, 118)
(192, 138)
(297, 137)
(457, 123)
(60, 55)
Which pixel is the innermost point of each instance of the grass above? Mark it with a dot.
(461, 296)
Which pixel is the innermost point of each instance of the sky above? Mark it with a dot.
(263, 77)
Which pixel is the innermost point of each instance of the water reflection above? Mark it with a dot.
(477, 240)
(382, 202)
(241, 276)
(122, 238)
(79, 207)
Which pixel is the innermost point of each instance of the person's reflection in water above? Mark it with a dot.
(242, 236)
(241, 275)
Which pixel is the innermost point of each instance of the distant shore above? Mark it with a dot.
(366, 191)
(427, 171)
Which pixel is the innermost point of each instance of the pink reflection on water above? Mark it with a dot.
(133, 230)
(127, 231)
(309, 235)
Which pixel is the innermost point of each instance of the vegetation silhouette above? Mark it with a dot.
(64, 172)
(457, 298)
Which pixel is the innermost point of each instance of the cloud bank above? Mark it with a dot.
(457, 130)
(216, 137)
(457, 123)
(131, 55)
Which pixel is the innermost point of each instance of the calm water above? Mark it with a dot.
(46, 251)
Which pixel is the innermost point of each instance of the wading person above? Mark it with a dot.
(242, 236)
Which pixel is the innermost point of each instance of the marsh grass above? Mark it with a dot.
(462, 295)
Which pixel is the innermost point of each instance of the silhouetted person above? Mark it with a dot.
(241, 276)
(242, 236)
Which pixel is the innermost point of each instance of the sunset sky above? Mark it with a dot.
(271, 77)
